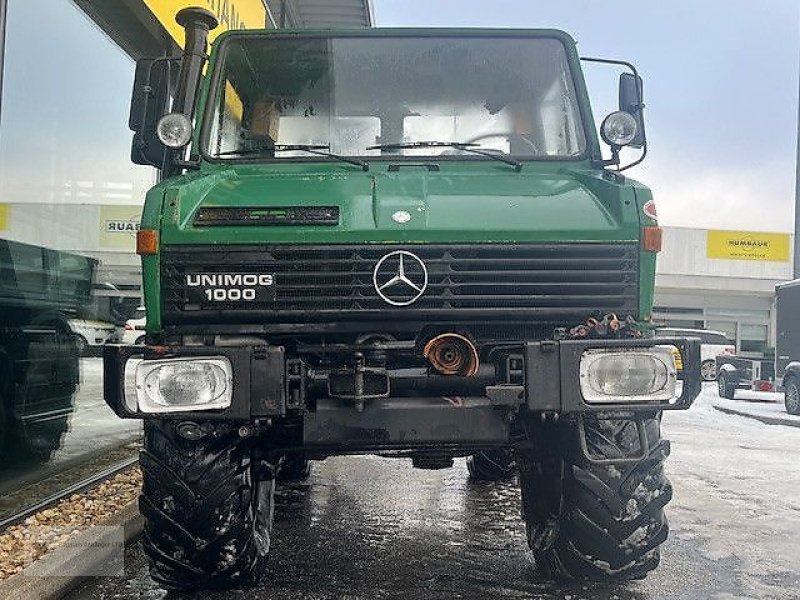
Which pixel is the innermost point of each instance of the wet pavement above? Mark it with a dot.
(367, 527)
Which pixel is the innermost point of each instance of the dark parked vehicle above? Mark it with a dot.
(40, 289)
(771, 373)
(740, 373)
(787, 345)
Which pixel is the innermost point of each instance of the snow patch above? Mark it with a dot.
(632, 511)
(638, 538)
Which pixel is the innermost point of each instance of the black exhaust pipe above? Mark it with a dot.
(197, 22)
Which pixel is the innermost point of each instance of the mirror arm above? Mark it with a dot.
(637, 161)
(611, 61)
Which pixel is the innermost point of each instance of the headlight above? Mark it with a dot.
(619, 128)
(174, 130)
(184, 384)
(628, 376)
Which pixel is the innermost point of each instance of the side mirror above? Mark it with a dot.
(149, 102)
(631, 101)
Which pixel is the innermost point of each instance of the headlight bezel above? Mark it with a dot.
(661, 357)
(145, 370)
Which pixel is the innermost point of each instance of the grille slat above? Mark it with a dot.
(546, 283)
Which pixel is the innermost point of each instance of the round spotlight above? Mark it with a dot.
(619, 129)
(174, 130)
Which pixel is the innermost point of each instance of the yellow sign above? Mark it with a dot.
(5, 210)
(118, 226)
(232, 14)
(748, 245)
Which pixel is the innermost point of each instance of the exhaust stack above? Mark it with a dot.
(197, 22)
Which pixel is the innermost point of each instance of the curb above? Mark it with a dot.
(762, 418)
(27, 586)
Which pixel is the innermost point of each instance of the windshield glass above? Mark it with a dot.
(510, 96)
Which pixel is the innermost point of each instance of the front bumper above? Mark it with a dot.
(266, 384)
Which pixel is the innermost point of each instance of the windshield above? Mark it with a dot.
(510, 96)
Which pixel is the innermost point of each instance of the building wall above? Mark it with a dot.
(731, 295)
(686, 253)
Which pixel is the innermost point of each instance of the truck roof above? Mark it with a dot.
(372, 32)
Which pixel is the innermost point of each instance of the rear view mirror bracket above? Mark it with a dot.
(631, 100)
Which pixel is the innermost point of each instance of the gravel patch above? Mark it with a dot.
(21, 545)
(24, 486)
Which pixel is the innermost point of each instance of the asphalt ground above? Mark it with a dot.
(368, 527)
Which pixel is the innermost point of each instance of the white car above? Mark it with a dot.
(134, 328)
(712, 344)
(89, 333)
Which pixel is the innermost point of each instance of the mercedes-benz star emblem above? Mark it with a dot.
(400, 278)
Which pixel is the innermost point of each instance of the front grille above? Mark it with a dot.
(543, 283)
(273, 215)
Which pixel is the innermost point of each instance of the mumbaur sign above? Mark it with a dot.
(748, 245)
(232, 14)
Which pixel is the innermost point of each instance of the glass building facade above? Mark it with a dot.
(70, 205)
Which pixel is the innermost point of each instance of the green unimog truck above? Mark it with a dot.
(402, 242)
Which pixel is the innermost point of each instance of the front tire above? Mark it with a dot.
(36, 442)
(207, 520)
(725, 389)
(597, 522)
(791, 396)
(81, 344)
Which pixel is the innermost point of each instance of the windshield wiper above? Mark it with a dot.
(318, 149)
(465, 146)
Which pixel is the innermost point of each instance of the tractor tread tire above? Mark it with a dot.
(200, 504)
(491, 465)
(611, 522)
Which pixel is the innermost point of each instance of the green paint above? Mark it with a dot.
(469, 200)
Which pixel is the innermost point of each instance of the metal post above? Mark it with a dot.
(3, 13)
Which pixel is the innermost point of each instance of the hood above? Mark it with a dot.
(487, 204)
